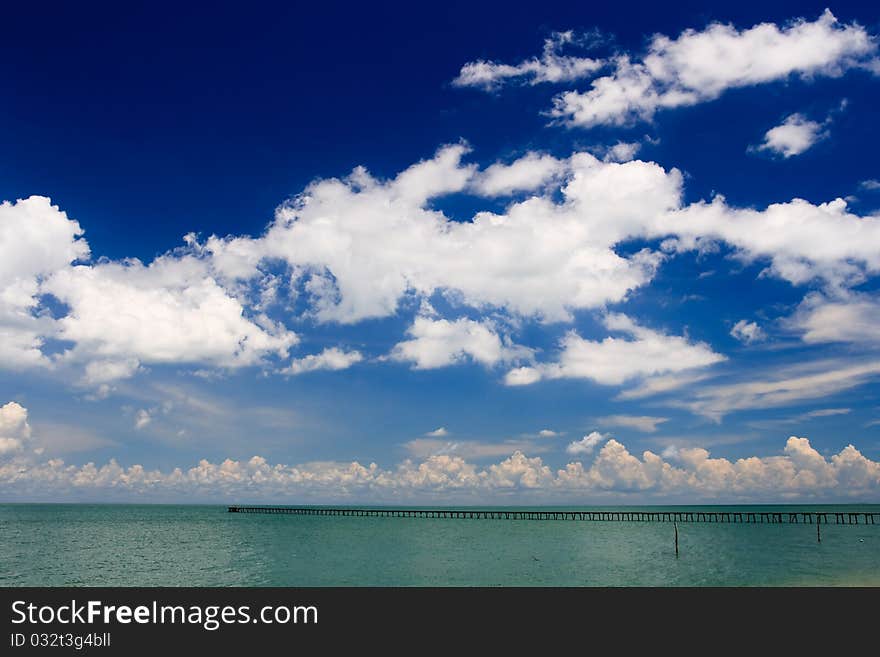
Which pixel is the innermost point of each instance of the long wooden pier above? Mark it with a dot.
(758, 517)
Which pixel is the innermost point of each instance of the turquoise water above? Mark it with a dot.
(128, 545)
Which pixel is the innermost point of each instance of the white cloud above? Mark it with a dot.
(518, 471)
(523, 376)
(800, 472)
(332, 358)
(547, 433)
(528, 173)
(14, 428)
(827, 412)
(117, 314)
(871, 185)
(440, 343)
(846, 317)
(614, 361)
(369, 244)
(799, 419)
(356, 248)
(550, 67)
(587, 444)
(171, 311)
(802, 241)
(747, 332)
(818, 379)
(689, 473)
(21, 344)
(622, 152)
(99, 372)
(793, 136)
(438, 433)
(699, 66)
(360, 245)
(660, 385)
(645, 423)
(437, 473)
(142, 418)
(36, 240)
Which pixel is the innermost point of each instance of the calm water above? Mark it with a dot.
(104, 545)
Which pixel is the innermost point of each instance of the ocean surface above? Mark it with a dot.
(155, 545)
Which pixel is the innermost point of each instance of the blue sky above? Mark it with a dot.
(537, 253)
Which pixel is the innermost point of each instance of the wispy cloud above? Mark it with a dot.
(645, 423)
(551, 66)
(471, 449)
(789, 386)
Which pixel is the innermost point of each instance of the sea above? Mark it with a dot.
(188, 545)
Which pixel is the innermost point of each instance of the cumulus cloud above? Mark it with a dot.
(747, 332)
(359, 247)
(528, 173)
(547, 433)
(36, 240)
(437, 343)
(332, 358)
(438, 433)
(587, 444)
(551, 66)
(14, 428)
(645, 423)
(799, 473)
(116, 315)
(614, 361)
(171, 311)
(793, 136)
(698, 66)
(518, 471)
(686, 472)
(871, 185)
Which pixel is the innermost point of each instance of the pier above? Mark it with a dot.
(753, 517)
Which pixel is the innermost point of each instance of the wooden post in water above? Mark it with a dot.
(818, 532)
(675, 528)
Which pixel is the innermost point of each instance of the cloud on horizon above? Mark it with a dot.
(443, 471)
